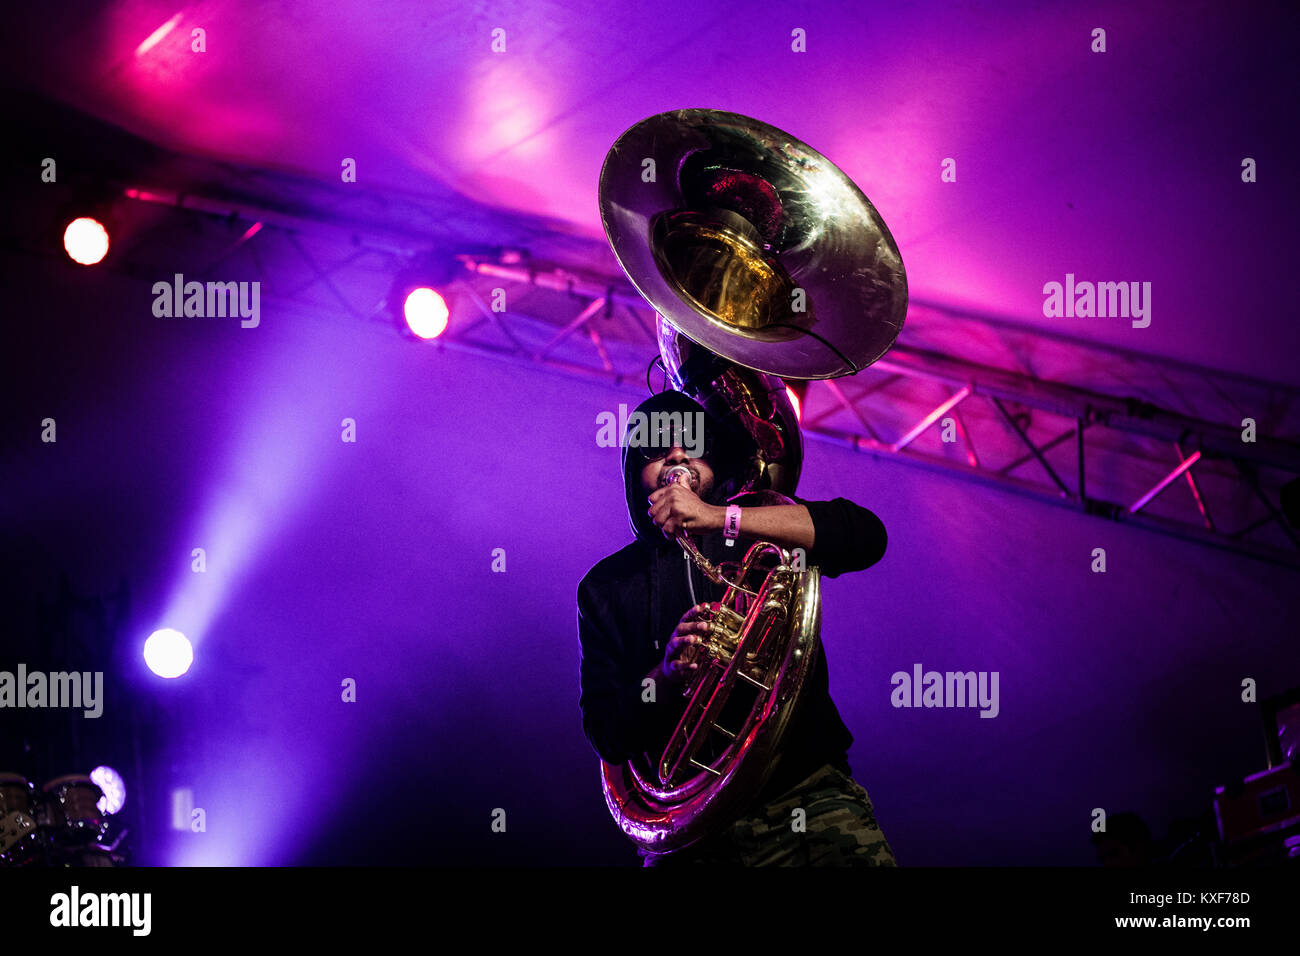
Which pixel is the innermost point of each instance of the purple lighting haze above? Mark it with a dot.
(168, 653)
(378, 545)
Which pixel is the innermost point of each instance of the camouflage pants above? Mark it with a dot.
(839, 829)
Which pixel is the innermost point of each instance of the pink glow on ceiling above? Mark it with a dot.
(1120, 166)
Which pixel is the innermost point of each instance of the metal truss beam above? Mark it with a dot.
(1090, 410)
(607, 335)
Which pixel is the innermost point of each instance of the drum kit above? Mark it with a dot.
(61, 824)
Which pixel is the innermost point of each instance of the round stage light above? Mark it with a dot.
(86, 241)
(168, 653)
(114, 787)
(426, 313)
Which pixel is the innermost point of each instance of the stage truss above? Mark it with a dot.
(1116, 434)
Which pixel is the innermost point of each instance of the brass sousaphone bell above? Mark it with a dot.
(764, 262)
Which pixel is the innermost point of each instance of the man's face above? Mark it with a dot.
(654, 474)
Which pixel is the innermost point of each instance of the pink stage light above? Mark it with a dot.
(153, 39)
(86, 241)
(426, 313)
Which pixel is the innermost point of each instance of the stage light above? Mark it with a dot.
(168, 653)
(86, 241)
(418, 297)
(426, 312)
(114, 787)
(153, 39)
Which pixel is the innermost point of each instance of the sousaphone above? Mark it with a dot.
(764, 262)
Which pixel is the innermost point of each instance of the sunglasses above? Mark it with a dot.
(664, 441)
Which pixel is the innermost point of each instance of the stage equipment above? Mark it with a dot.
(20, 841)
(61, 824)
(1259, 818)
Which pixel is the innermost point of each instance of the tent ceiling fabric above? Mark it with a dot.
(1115, 166)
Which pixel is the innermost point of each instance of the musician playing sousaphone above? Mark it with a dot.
(643, 610)
(704, 681)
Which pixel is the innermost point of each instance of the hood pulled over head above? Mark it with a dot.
(725, 454)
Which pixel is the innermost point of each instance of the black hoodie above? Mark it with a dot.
(630, 602)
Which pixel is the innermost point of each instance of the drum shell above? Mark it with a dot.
(70, 811)
(20, 837)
